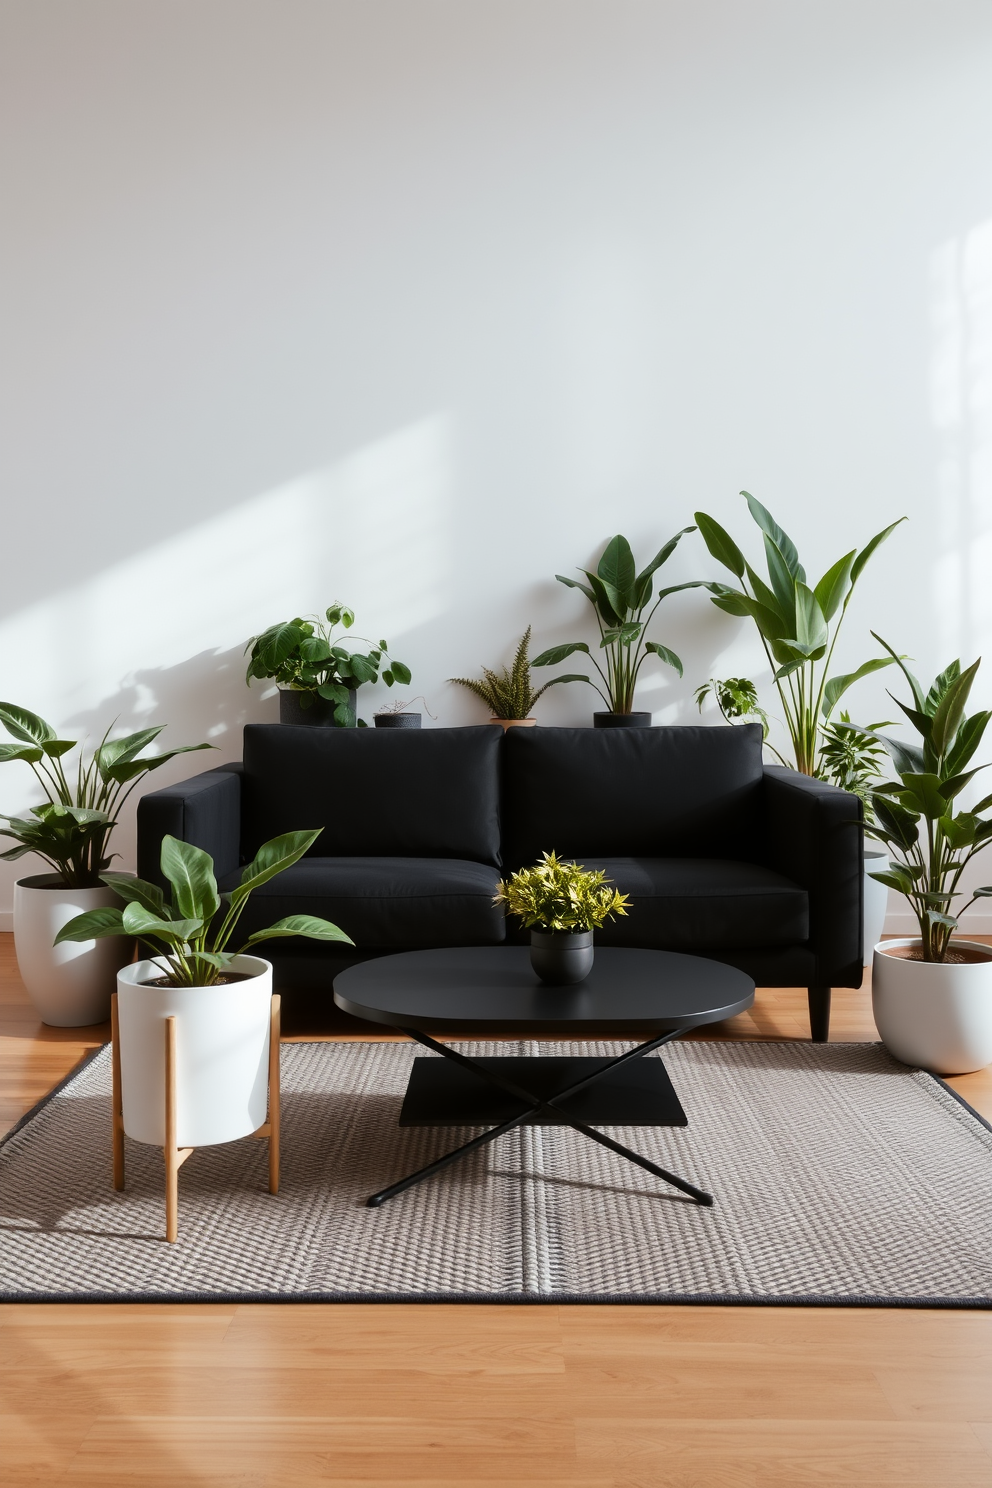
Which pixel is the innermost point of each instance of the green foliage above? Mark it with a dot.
(851, 758)
(915, 816)
(560, 896)
(509, 693)
(798, 625)
(303, 655)
(737, 700)
(189, 937)
(71, 829)
(620, 596)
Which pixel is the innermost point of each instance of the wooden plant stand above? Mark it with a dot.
(175, 1155)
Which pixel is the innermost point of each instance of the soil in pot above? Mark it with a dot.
(965, 956)
(224, 980)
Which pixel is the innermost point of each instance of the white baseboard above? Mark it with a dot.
(6, 920)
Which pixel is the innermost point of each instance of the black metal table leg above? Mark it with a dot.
(534, 1104)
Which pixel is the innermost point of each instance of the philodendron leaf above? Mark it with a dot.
(96, 924)
(554, 654)
(665, 654)
(138, 891)
(137, 920)
(307, 925)
(402, 673)
(27, 727)
(30, 753)
(720, 544)
(272, 858)
(126, 770)
(190, 871)
(923, 793)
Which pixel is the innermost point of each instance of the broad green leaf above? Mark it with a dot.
(768, 622)
(314, 649)
(388, 677)
(138, 891)
(720, 544)
(968, 738)
(940, 685)
(27, 727)
(811, 627)
(869, 548)
(113, 751)
(899, 823)
(402, 673)
(837, 686)
(363, 669)
(96, 924)
(30, 753)
(618, 573)
(953, 785)
(950, 709)
(768, 597)
(920, 721)
(280, 641)
(731, 601)
(272, 858)
(896, 877)
(781, 539)
(308, 925)
(554, 654)
(935, 917)
(190, 870)
(924, 795)
(127, 770)
(900, 662)
(609, 602)
(344, 716)
(788, 668)
(56, 748)
(783, 581)
(907, 758)
(831, 589)
(576, 584)
(665, 654)
(642, 588)
(333, 692)
(959, 830)
(137, 920)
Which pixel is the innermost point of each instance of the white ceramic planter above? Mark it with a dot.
(938, 1017)
(69, 984)
(222, 1054)
(876, 903)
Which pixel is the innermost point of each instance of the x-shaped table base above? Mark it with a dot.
(534, 1104)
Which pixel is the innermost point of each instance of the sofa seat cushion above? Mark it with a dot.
(383, 902)
(703, 904)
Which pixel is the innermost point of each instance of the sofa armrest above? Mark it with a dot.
(204, 810)
(814, 834)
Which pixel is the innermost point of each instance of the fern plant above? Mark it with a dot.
(509, 693)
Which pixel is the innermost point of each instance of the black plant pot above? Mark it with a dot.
(562, 957)
(621, 720)
(398, 720)
(320, 713)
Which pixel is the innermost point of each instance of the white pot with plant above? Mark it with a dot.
(562, 905)
(318, 678)
(509, 694)
(932, 993)
(70, 985)
(219, 998)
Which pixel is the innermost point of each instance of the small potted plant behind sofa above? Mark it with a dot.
(620, 596)
(219, 998)
(317, 678)
(561, 904)
(932, 993)
(509, 694)
(71, 832)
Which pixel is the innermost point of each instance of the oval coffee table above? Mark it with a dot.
(492, 989)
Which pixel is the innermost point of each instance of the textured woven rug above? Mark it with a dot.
(839, 1177)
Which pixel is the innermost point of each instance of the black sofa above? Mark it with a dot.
(722, 856)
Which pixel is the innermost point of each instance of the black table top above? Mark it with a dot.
(492, 989)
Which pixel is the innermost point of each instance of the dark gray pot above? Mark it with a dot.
(621, 720)
(562, 957)
(320, 713)
(398, 720)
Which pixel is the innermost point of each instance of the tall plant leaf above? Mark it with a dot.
(190, 870)
(834, 585)
(666, 655)
(273, 857)
(27, 727)
(837, 686)
(780, 538)
(617, 570)
(720, 544)
(857, 567)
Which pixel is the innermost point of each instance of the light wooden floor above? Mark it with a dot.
(566, 1397)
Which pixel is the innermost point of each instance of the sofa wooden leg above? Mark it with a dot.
(819, 1014)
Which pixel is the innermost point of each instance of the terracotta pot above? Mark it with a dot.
(508, 723)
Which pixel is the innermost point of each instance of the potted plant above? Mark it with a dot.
(851, 758)
(509, 694)
(620, 596)
(317, 678)
(798, 625)
(932, 993)
(220, 998)
(399, 716)
(737, 700)
(70, 986)
(562, 904)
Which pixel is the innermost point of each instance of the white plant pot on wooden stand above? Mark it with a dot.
(71, 984)
(937, 1015)
(195, 1066)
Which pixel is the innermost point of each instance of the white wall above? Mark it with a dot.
(413, 303)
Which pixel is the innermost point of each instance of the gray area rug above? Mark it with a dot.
(839, 1177)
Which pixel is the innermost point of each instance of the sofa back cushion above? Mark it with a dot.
(658, 792)
(388, 793)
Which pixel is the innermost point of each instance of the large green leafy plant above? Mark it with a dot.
(930, 841)
(560, 896)
(70, 831)
(620, 596)
(509, 693)
(190, 935)
(302, 654)
(798, 624)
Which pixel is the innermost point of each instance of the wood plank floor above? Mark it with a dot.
(565, 1397)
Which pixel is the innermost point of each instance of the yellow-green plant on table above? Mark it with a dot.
(553, 895)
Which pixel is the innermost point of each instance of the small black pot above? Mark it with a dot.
(562, 957)
(320, 713)
(398, 720)
(621, 720)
